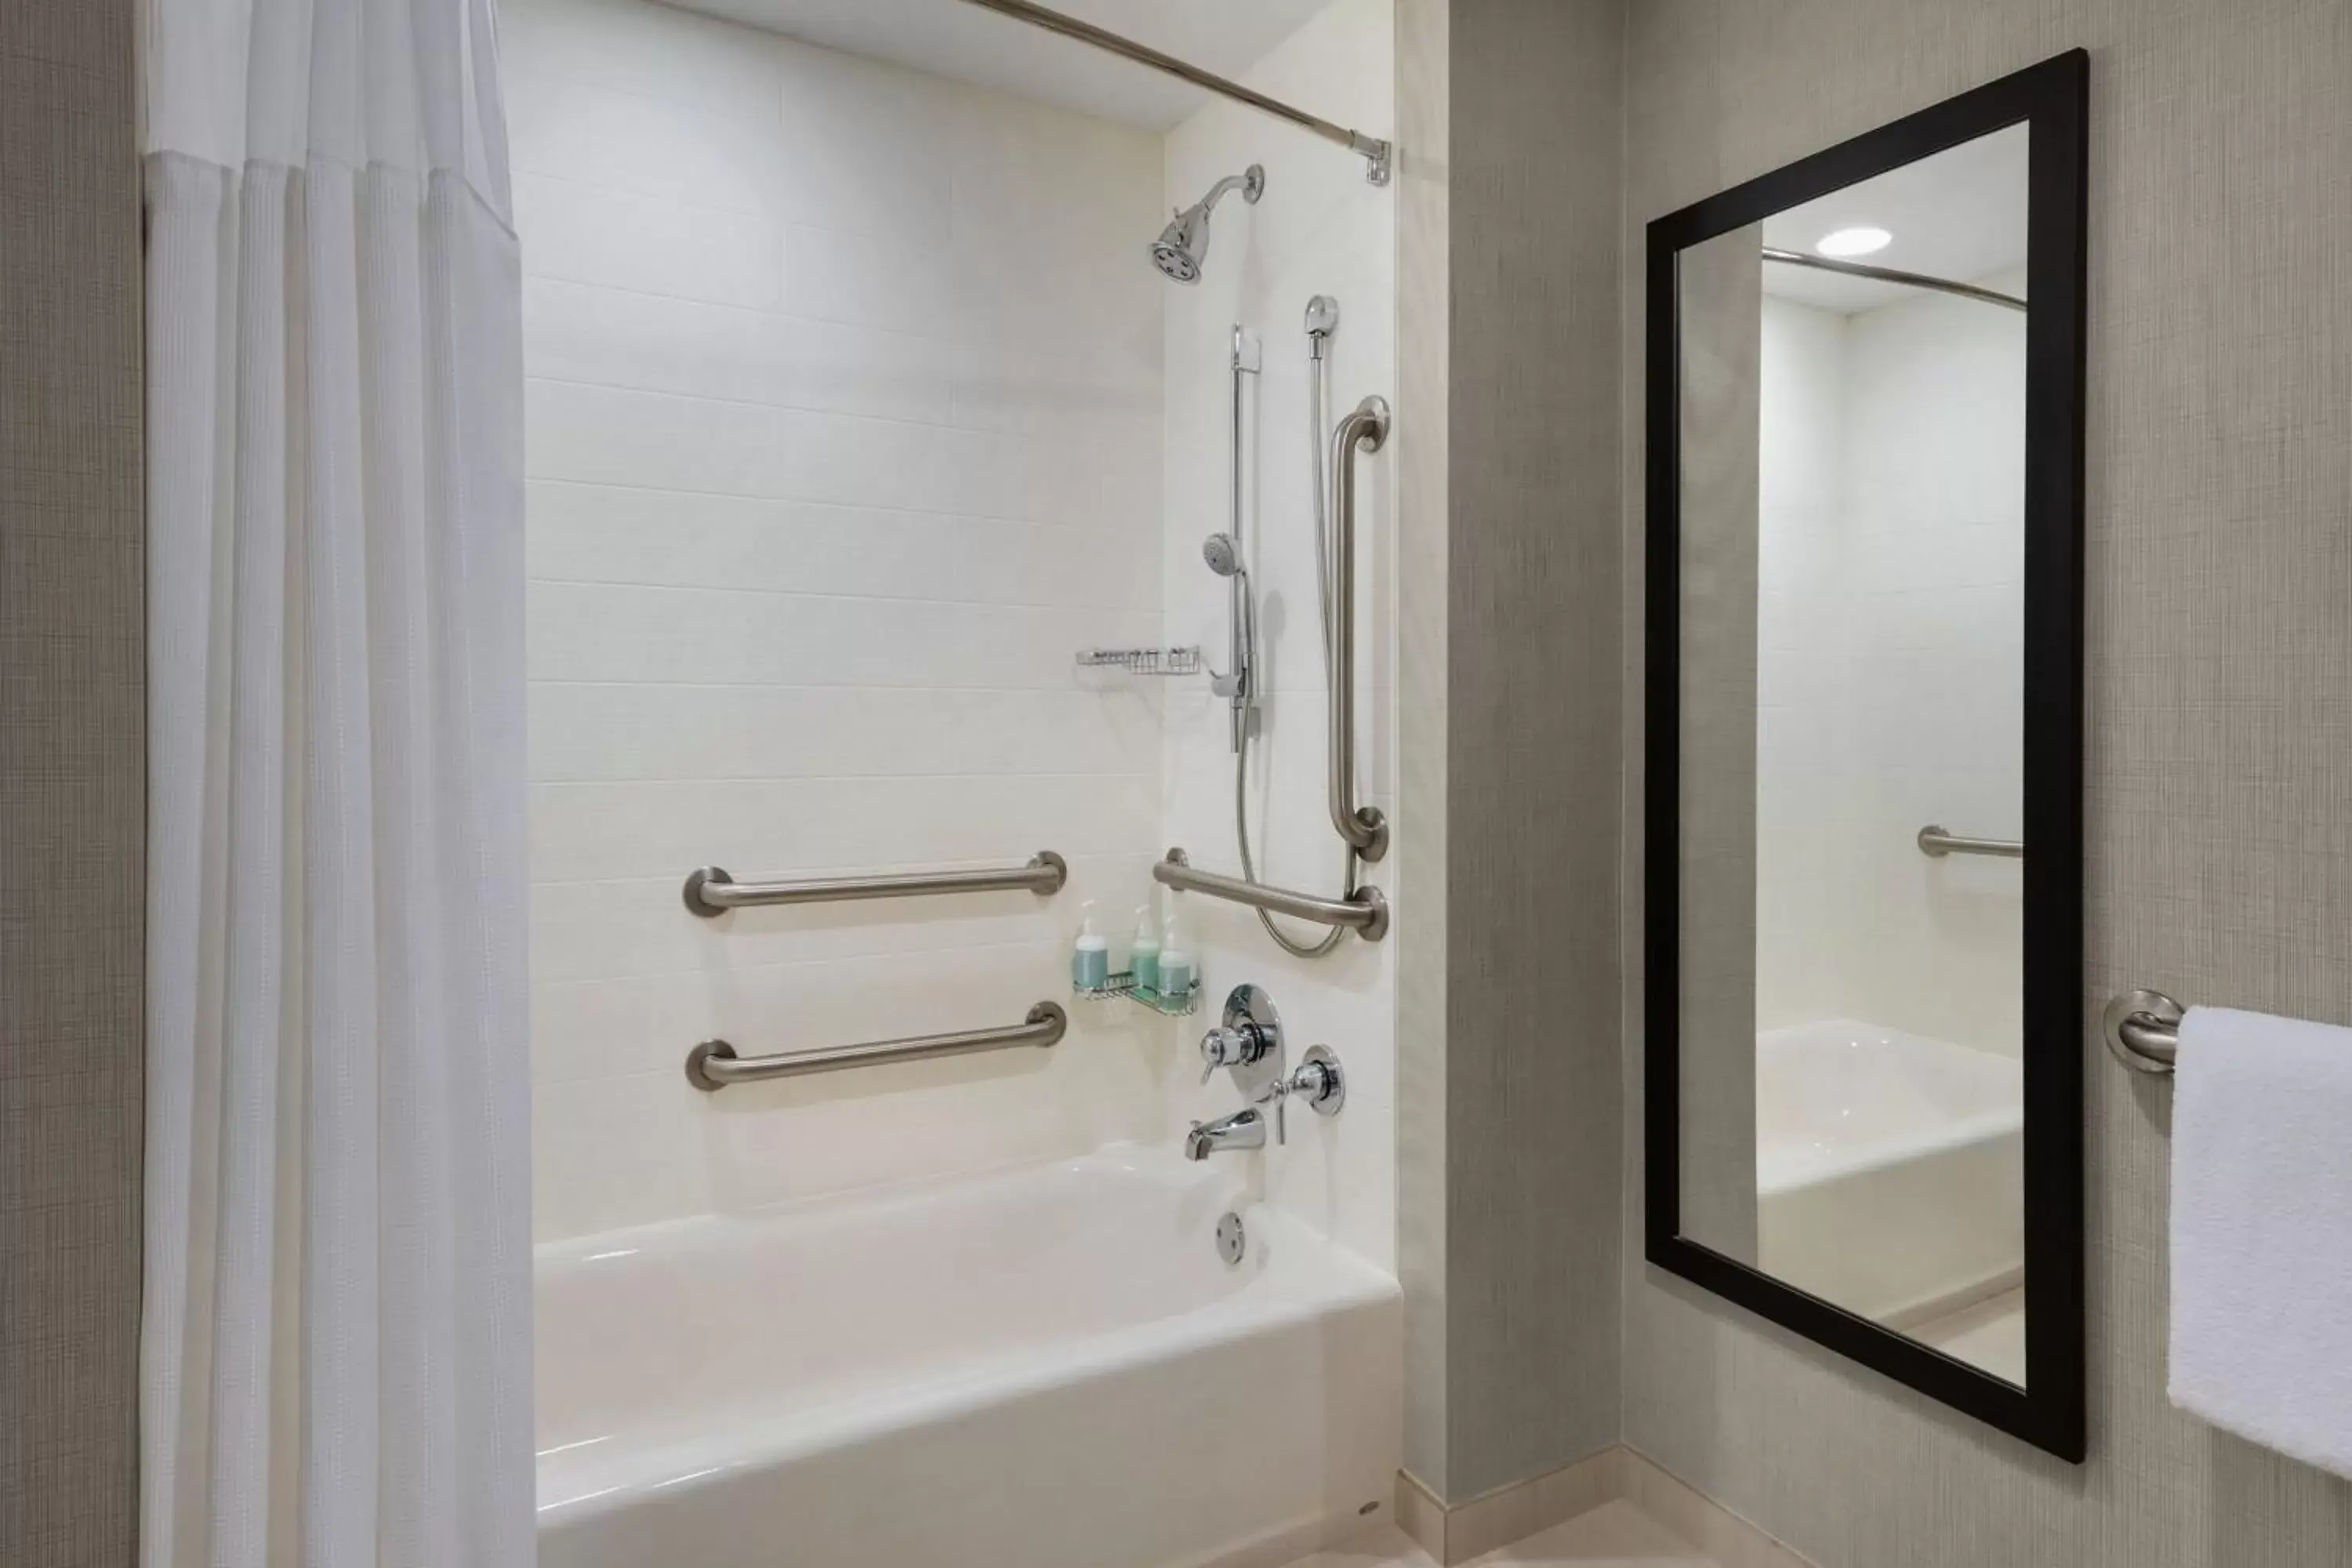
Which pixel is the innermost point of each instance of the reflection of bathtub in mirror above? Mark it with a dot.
(1889, 1180)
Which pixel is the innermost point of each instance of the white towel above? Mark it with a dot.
(2261, 1231)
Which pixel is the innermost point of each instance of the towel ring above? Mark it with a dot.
(2143, 1030)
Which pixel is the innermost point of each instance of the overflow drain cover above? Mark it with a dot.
(1231, 1242)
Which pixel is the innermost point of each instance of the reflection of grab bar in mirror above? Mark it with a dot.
(1935, 841)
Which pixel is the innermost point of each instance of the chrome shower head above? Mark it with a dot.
(1184, 242)
(1224, 556)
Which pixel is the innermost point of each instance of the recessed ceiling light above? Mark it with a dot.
(1853, 242)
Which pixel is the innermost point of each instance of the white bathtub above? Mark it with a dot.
(1049, 1367)
(1889, 1168)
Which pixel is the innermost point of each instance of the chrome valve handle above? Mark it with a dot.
(1318, 1081)
(1248, 1042)
(1230, 1046)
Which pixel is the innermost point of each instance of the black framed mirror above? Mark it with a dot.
(1863, 874)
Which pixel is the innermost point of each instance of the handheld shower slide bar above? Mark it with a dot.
(1378, 155)
(711, 892)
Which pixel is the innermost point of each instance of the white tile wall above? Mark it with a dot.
(1320, 229)
(844, 424)
(1890, 675)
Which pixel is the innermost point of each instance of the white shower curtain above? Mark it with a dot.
(336, 1351)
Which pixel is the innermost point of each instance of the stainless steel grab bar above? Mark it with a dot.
(1936, 842)
(711, 891)
(1365, 911)
(1366, 429)
(713, 1065)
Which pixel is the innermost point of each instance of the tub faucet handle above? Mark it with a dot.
(1230, 1045)
(1318, 1081)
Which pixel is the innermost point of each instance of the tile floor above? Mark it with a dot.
(1614, 1536)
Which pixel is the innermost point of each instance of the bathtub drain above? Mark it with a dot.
(1231, 1242)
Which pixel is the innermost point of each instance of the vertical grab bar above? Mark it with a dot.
(1365, 429)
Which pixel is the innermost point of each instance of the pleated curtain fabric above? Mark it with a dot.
(336, 1340)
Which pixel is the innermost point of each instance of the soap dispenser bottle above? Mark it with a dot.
(1176, 979)
(1143, 958)
(1090, 959)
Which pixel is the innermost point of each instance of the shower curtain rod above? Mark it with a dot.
(1894, 275)
(1376, 154)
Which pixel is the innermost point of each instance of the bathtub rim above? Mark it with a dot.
(1305, 1276)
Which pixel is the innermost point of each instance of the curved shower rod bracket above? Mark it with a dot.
(1379, 156)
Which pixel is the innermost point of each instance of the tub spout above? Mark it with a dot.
(1243, 1129)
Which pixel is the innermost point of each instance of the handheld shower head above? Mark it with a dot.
(1181, 246)
(1224, 557)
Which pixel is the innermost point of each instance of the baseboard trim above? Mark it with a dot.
(1456, 1534)
(1698, 1518)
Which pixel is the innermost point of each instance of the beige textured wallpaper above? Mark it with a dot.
(1509, 115)
(2220, 744)
(1532, 1150)
(72, 810)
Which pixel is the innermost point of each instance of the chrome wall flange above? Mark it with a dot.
(1247, 1043)
(2142, 1029)
(707, 877)
(698, 1074)
(1319, 1082)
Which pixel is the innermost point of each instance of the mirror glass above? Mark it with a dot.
(1853, 473)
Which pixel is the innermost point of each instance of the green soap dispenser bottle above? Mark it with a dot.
(1176, 979)
(1090, 959)
(1143, 958)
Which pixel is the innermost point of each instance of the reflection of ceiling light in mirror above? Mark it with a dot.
(1853, 242)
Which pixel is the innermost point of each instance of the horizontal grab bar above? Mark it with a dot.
(1365, 911)
(1935, 841)
(713, 1065)
(711, 891)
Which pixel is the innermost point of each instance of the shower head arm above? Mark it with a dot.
(1250, 182)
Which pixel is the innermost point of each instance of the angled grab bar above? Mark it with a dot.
(711, 892)
(1364, 911)
(1364, 429)
(713, 1065)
